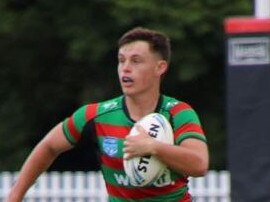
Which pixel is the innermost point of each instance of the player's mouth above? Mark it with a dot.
(126, 82)
(126, 79)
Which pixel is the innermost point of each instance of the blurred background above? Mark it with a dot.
(58, 55)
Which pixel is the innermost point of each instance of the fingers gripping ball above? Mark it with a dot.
(145, 170)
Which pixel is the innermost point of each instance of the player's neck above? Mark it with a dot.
(140, 106)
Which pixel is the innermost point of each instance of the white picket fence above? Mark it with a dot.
(89, 187)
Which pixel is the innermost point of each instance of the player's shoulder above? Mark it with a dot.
(171, 104)
(95, 109)
(110, 105)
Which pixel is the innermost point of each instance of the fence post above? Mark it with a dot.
(55, 189)
(67, 186)
(225, 179)
(6, 181)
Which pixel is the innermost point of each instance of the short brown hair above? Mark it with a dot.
(158, 41)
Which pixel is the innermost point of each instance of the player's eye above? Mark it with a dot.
(121, 60)
(136, 60)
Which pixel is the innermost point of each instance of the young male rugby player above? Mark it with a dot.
(143, 59)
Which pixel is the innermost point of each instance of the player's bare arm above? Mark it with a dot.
(38, 161)
(189, 158)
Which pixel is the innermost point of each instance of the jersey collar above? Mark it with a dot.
(157, 109)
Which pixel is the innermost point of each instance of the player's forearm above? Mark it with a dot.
(181, 159)
(38, 161)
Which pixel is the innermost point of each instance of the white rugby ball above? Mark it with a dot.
(145, 170)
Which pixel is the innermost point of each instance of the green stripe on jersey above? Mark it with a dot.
(168, 103)
(79, 118)
(116, 117)
(186, 116)
(187, 135)
(165, 113)
(115, 177)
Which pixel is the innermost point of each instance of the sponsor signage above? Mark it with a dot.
(249, 51)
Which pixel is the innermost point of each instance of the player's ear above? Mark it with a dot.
(162, 67)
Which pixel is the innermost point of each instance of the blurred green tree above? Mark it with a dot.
(58, 55)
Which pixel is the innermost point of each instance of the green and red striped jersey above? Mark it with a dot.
(110, 123)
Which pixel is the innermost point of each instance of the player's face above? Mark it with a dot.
(139, 68)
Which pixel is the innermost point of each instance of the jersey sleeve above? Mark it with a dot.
(73, 126)
(186, 123)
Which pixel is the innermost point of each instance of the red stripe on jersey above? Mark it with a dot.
(189, 127)
(179, 107)
(143, 192)
(112, 162)
(111, 130)
(91, 111)
(72, 129)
